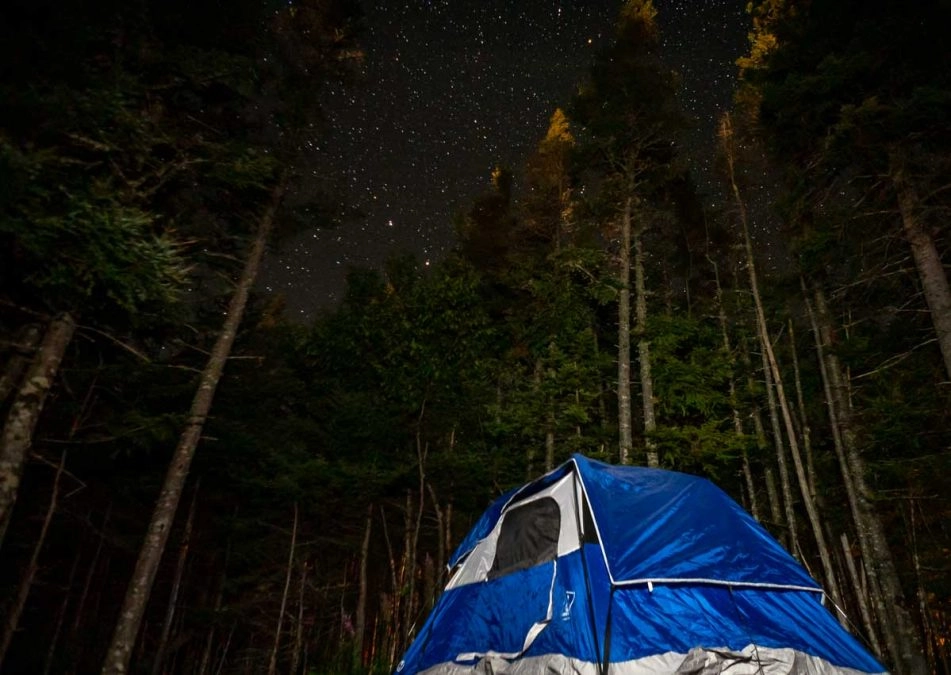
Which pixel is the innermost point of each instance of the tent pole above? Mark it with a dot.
(607, 631)
(742, 621)
(579, 521)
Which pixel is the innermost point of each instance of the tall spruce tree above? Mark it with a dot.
(854, 100)
(137, 142)
(628, 113)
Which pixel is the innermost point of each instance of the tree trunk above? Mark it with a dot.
(390, 606)
(401, 598)
(624, 340)
(602, 405)
(440, 543)
(176, 587)
(772, 494)
(61, 617)
(921, 593)
(766, 349)
(272, 663)
(360, 623)
(643, 351)
(24, 413)
(822, 335)
(537, 389)
(806, 484)
(224, 649)
(771, 366)
(748, 474)
(550, 425)
(890, 604)
(860, 595)
(734, 405)
(829, 363)
(803, 419)
(412, 539)
(140, 586)
(24, 348)
(934, 281)
(789, 512)
(73, 643)
(29, 574)
(810, 505)
(447, 538)
(429, 583)
(550, 421)
(745, 457)
(549, 441)
(578, 403)
(299, 626)
(219, 597)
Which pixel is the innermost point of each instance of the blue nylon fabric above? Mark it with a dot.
(662, 524)
(653, 524)
(570, 630)
(680, 617)
(482, 617)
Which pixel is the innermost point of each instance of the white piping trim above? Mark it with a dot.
(716, 582)
(528, 484)
(551, 591)
(649, 581)
(584, 488)
(661, 580)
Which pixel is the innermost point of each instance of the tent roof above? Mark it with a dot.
(661, 526)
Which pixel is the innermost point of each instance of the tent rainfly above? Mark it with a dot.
(595, 569)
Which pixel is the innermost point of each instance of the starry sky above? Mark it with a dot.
(451, 88)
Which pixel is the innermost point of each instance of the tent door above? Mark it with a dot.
(533, 632)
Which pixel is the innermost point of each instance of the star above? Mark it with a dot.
(450, 90)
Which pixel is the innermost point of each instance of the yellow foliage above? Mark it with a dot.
(761, 45)
(497, 173)
(639, 10)
(763, 39)
(558, 129)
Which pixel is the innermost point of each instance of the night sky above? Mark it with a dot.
(449, 89)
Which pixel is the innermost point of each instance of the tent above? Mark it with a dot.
(596, 569)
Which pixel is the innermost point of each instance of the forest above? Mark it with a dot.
(193, 483)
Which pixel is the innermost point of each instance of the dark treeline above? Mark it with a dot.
(147, 152)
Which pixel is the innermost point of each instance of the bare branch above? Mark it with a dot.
(129, 348)
(56, 465)
(894, 360)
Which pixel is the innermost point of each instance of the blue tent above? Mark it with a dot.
(596, 569)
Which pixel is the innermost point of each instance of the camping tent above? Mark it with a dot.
(595, 569)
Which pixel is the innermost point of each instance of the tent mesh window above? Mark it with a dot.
(528, 537)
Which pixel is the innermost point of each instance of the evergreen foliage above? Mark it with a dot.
(133, 160)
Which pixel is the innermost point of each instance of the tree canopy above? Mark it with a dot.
(345, 457)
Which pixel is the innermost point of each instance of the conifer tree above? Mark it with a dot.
(853, 101)
(140, 586)
(628, 112)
